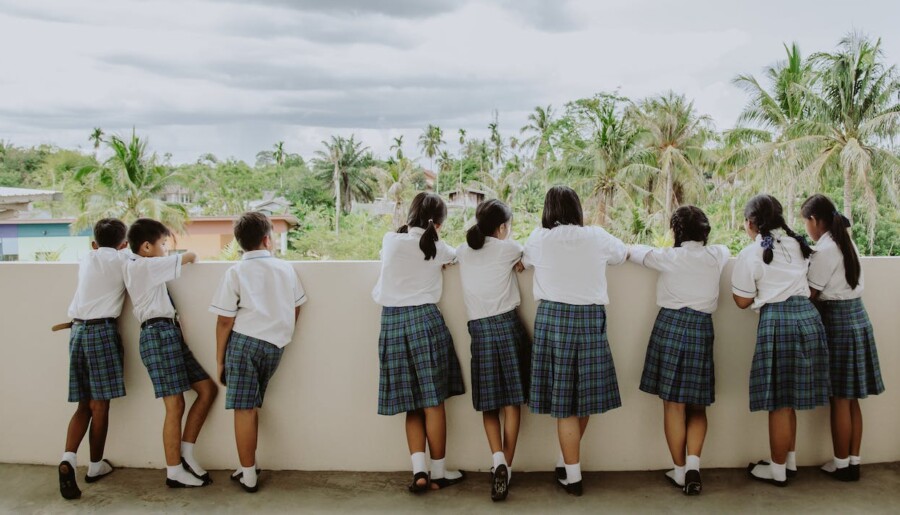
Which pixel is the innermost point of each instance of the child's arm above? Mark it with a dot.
(743, 280)
(296, 313)
(188, 257)
(224, 325)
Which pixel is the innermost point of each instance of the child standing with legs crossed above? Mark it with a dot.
(500, 345)
(790, 363)
(679, 363)
(572, 371)
(172, 366)
(836, 281)
(96, 368)
(258, 303)
(419, 369)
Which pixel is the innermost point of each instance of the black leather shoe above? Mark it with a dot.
(854, 472)
(692, 483)
(500, 484)
(68, 487)
(572, 488)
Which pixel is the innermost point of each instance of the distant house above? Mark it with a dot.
(177, 194)
(430, 179)
(469, 197)
(270, 204)
(15, 200)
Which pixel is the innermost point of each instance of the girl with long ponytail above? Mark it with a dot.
(790, 363)
(836, 283)
(500, 345)
(419, 369)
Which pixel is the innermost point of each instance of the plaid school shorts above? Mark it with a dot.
(418, 364)
(170, 363)
(855, 371)
(572, 369)
(678, 366)
(790, 364)
(96, 362)
(249, 365)
(500, 361)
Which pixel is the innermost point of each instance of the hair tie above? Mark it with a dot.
(768, 242)
(431, 220)
(556, 223)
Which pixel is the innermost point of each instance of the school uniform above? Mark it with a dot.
(679, 365)
(261, 293)
(418, 364)
(855, 371)
(790, 363)
(572, 369)
(500, 345)
(96, 355)
(170, 363)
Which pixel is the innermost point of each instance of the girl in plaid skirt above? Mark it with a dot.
(836, 282)
(419, 368)
(679, 363)
(790, 363)
(572, 370)
(500, 346)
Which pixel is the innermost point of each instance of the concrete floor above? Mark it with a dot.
(34, 489)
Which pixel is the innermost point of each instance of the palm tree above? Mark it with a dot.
(430, 141)
(394, 180)
(96, 138)
(856, 115)
(278, 155)
(128, 186)
(497, 147)
(538, 132)
(398, 147)
(342, 163)
(462, 137)
(674, 136)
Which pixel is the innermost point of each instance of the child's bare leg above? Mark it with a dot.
(491, 421)
(570, 430)
(99, 428)
(78, 426)
(246, 430)
(511, 418)
(793, 431)
(841, 427)
(206, 394)
(857, 423)
(415, 436)
(436, 431)
(696, 429)
(674, 427)
(780, 433)
(172, 428)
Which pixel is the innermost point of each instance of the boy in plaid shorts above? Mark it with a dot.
(95, 352)
(170, 363)
(258, 303)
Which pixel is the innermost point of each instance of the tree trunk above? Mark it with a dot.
(670, 186)
(848, 194)
(337, 200)
(791, 188)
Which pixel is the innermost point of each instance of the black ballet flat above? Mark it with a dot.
(575, 489)
(854, 472)
(500, 484)
(843, 475)
(68, 487)
(692, 483)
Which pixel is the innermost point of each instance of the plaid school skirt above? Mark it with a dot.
(855, 373)
(96, 362)
(790, 364)
(679, 362)
(572, 370)
(418, 364)
(500, 359)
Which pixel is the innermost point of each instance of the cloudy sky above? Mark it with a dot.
(233, 77)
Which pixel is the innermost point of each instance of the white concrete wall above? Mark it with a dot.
(320, 412)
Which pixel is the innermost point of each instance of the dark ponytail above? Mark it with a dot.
(489, 216)
(819, 208)
(426, 211)
(766, 213)
(689, 223)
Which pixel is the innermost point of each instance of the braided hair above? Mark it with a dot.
(489, 216)
(425, 212)
(822, 209)
(689, 223)
(767, 215)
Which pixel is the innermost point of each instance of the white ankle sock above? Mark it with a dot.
(498, 459)
(791, 463)
(177, 473)
(418, 462)
(187, 452)
(841, 463)
(693, 462)
(677, 475)
(98, 468)
(438, 468)
(573, 473)
(779, 471)
(249, 475)
(828, 466)
(854, 460)
(560, 462)
(72, 458)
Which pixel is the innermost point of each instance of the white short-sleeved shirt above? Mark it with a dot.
(688, 275)
(407, 279)
(826, 271)
(781, 279)
(489, 283)
(145, 279)
(570, 261)
(101, 285)
(260, 293)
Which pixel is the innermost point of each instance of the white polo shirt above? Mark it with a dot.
(570, 261)
(826, 271)
(688, 275)
(407, 279)
(101, 285)
(145, 279)
(260, 293)
(781, 279)
(488, 281)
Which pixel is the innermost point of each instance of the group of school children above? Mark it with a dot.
(814, 342)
